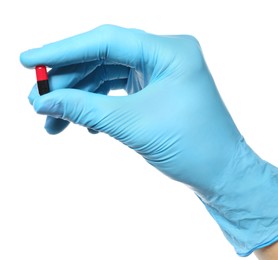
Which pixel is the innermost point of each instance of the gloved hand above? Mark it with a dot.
(173, 116)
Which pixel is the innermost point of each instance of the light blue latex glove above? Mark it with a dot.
(173, 116)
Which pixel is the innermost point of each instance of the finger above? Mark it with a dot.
(131, 83)
(93, 111)
(101, 75)
(55, 126)
(69, 76)
(107, 42)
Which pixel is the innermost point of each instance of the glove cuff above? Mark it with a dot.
(245, 201)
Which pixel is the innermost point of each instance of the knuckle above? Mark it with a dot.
(192, 51)
(106, 28)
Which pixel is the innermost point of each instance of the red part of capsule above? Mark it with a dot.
(41, 73)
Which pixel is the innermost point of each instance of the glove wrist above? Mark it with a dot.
(244, 202)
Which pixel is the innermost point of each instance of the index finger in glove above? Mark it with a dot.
(108, 42)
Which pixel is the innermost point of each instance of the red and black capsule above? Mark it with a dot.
(42, 79)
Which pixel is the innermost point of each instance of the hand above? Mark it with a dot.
(173, 115)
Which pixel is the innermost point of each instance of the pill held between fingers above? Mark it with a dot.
(42, 79)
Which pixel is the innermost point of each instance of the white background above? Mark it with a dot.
(83, 196)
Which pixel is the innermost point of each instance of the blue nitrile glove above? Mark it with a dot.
(173, 116)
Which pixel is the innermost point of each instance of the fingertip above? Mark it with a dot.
(22, 58)
(51, 131)
(33, 94)
(92, 131)
(26, 59)
(38, 106)
(55, 126)
(33, 57)
(48, 105)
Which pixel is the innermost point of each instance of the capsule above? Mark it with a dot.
(42, 79)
